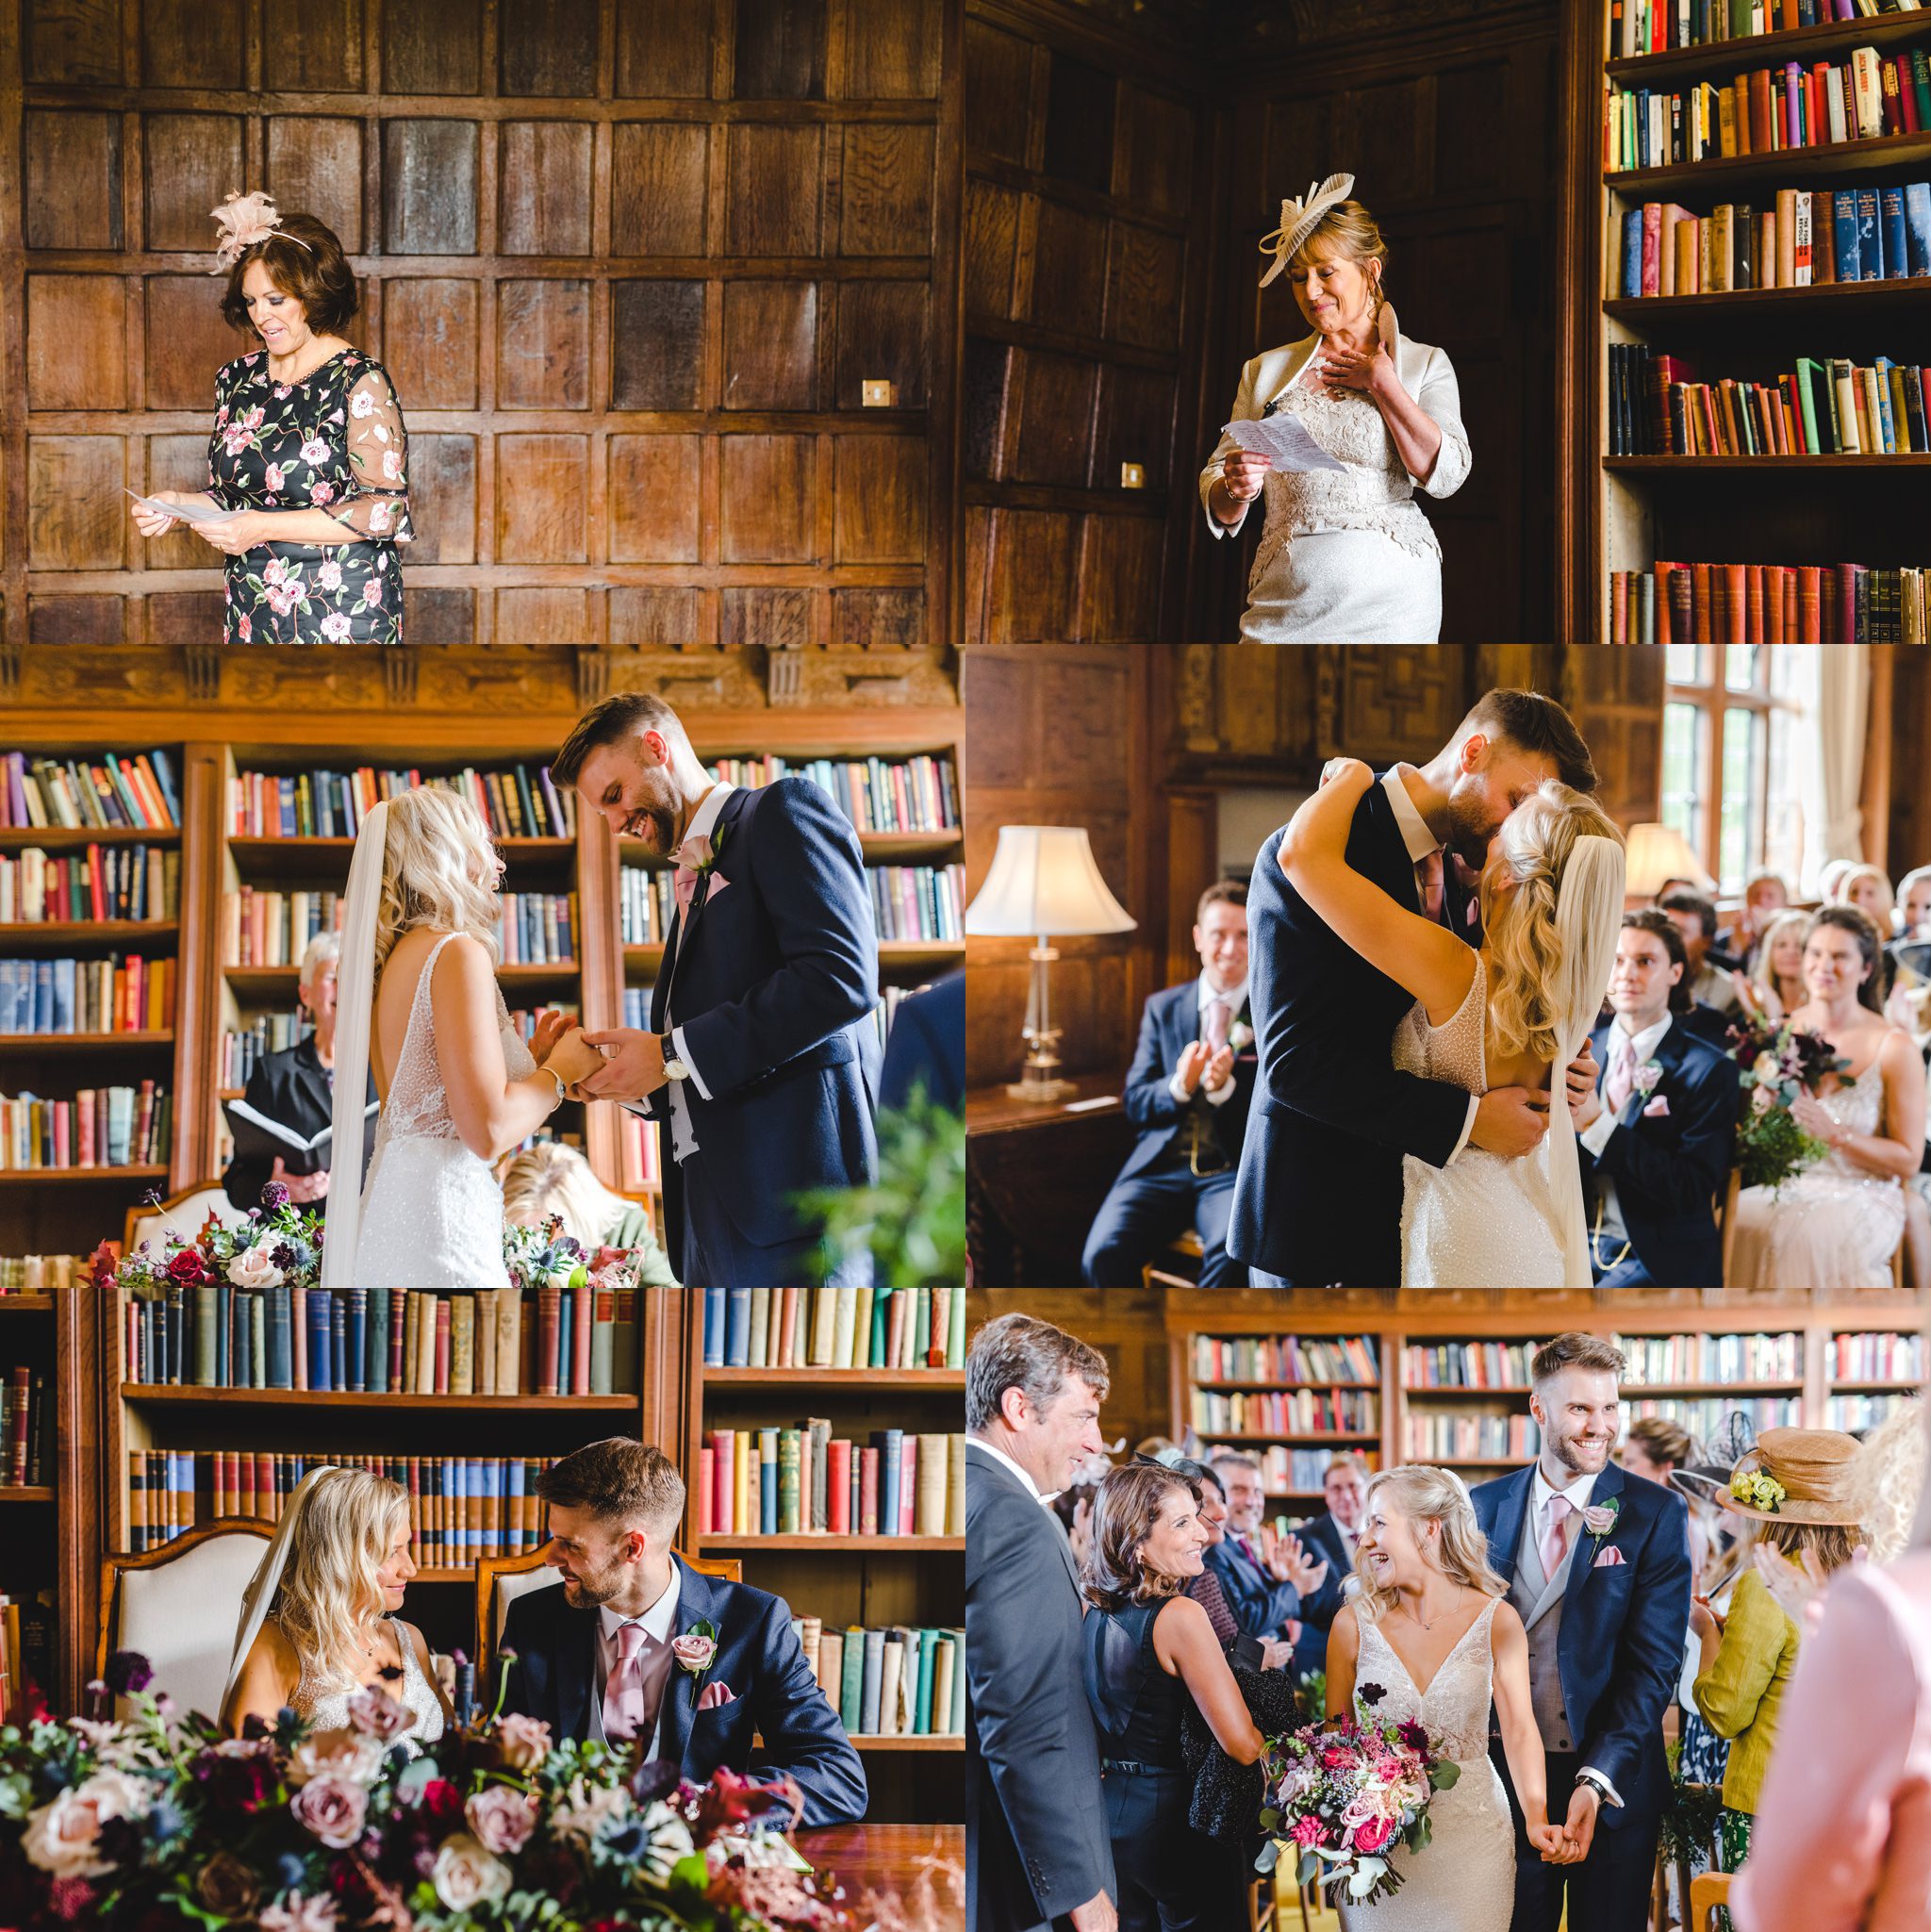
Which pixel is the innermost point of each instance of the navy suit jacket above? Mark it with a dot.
(1321, 1538)
(1669, 1167)
(1169, 1024)
(1621, 1646)
(773, 986)
(759, 1658)
(1318, 1200)
(1260, 1606)
(928, 1047)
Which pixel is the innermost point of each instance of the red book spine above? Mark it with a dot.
(96, 884)
(247, 1504)
(549, 1334)
(1699, 601)
(1619, 613)
(442, 1320)
(723, 1480)
(268, 1500)
(838, 1487)
(1810, 603)
(908, 1484)
(22, 1384)
(298, 1333)
(579, 1342)
(868, 1492)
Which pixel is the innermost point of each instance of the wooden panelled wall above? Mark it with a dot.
(627, 264)
(1128, 1327)
(1088, 218)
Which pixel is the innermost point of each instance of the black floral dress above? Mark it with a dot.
(333, 441)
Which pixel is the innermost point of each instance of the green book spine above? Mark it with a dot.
(760, 1325)
(604, 1343)
(376, 1375)
(1806, 401)
(921, 1705)
(957, 1725)
(204, 1336)
(924, 1342)
(955, 1343)
(881, 1327)
(257, 1341)
(851, 1692)
(789, 1524)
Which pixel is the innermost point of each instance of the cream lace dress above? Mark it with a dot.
(1464, 1880)
(431, 1213)
(327, 1709)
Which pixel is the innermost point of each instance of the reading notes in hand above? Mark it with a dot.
(1283, 440)
(192, 511)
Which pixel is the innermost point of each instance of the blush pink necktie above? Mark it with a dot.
(684, 882)
(1555, 1538)
(1622, 1080)
(1218, 1020)
(1429, 871)
(623, 1694)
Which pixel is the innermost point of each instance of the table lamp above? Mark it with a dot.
(1043, 883)
(1656, 852)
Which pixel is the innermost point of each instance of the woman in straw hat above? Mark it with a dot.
(1794, 1489)
(1346, 557)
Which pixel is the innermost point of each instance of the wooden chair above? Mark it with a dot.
(185, 1212)
(180, 1605)
(1707, 1891)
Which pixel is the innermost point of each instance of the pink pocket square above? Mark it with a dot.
(712, 1695)
(1658, 1109)
(1606, 1557)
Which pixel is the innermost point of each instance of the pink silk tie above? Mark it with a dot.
(1622, 1080)
(1555, 1537)
(684, 882)
(624, 1716)
(1429, 872)
(1218, 1020)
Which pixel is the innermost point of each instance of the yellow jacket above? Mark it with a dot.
(1740, 1693)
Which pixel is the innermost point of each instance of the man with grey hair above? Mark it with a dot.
(1038, 1850)
(1263, 1575)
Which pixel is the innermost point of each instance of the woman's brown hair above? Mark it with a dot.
(1126, 1507)
(318, 275)
(1833, 1541)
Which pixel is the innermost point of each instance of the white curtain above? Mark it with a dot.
(1831, 683)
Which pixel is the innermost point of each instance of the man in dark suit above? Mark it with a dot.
(1318, 1197)
(1037, 1847)
(1597, 1562)
(1188, 1092)
(616, 1651)
(1656, 1138)
(928, 1047)
(1715, 1002)
(1263, 1577)
(762, 1061)
(1332, 1538)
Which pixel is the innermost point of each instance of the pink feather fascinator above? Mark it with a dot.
(245, 220)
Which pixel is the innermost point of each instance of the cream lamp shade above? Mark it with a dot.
(1044, 884)
(1656, 852)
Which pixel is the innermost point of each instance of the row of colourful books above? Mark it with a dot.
(1436, 1437)
(387, 1341)
(1287, 1411)
(1288, 1472)
(460, 1507)
(835, 1328)
(115, 882)
(802, 1481)
(26, 1426)
(115, 791)
(1673, 1359)
(916, 794)
(1771, 604)
(892, 1683)
(27, 1630)
(1467, 1365)
(1854, 1413)
(269, 927)
(1768, 110)
(539, 929)
(36, 1274)
(1286, 1359)
(1873, 1358)
(918, 902)
(243, 1050)
(518, 800)
(638, 1144)
(1705, 1415)
(100, 1127)
(1654, 26)
(1807, 241)
(645, 905)
(124, 993)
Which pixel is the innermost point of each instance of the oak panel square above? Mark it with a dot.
(653, 499)
(1119, 580)
(192, 43)
(1155, 163)
(1069, 284)
(83, 620)
(429, 341)
(886, 194)
(76, 342)
(892, 49)
(778, 50)
(885, 619)
(983, 376)
(187, 341)
(72, 179)
(1135, 424)
(548, 47)
(177, 462)
(773, 189)
(545, 187)
(883, 333)
(543, 345)
(1031, 592)
(76, 516)
(433, 47)
(186, 617)
(434, 615)
(553, 615)
(542, 482)
(646, 614)
(1080, 122)
(72, 41)
(656, 345)
(194, 160)
(312, 47)
(429, 187)
(999, 91)
(657, 188)
(316, 166)
(443, 498)
(663, 52)
(1055, 418)
(770, 345)
(882, 498)
(769, 506)
(778, 619)
(992, 248)
(1143, 297)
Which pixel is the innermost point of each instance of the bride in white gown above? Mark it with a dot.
(1503, 1016)
(1429, 1635)
(417, 1001)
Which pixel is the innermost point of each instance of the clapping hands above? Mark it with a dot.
(1287, 1561)
(1201, 1068)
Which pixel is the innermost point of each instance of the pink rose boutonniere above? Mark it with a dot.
(697, 1649)
(1649, 1076)
(1599, 1521)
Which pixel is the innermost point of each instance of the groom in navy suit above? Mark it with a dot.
(635, 1643)
(760, 1064)
(1597, 1564)
(1656, 1138)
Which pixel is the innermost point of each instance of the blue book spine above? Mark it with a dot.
(224, 1324)
(566, 1325)
(513, 1540)
(1845, 226)
(1888, 424)
(738, 1330)
(1632, 253)
(890, 1442)
(10, 995)
(338, 1341)
(768, 1482)
(358, 1338)
(1917, 235)
(459, 1513)
(714, 1328)
(319, 1378)
(43, 997)
(1869, 236)
(492, 1509)
(281, 1357)
(1890, 202)
(66, 1006)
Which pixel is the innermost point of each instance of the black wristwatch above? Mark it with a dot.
(674, 1068)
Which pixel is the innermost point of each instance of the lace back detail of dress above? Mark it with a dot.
(1453, 1051)
(418, 1103)
(327, 1709)
(1456, 1707)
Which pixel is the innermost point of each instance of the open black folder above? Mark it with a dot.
(258, 1138)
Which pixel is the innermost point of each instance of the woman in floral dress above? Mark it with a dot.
(308, 449)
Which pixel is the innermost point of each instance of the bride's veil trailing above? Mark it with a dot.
(1588, 914)
(354, 1015)
(258, 1598)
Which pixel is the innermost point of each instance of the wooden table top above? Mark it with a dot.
(991, 1110)
(889, 1857)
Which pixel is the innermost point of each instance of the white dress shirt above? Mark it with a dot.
(1421, 842)
(1579, 1493)
(1234, 1001)
(1595, 1136)
(998, 1455)
(655, 1660)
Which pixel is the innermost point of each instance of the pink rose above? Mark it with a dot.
(254, 1269)
(330, 575)
(375, 1714)
(333, 1809)
(272, 476)
(298, 1914)
(524, 1742)
(1374, 1836)
(243, 629)
(274, 571)
(372, 595)
(378, 517)
(62, 1837)
(335, 627)
(322, 493)
(503, 1818)
(465, 1875)
(695, 1653)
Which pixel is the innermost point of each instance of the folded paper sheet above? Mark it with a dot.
(1284, 439)
(194, 510)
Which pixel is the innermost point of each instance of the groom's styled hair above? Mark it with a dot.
(1576, 1350)
(1537, 725)
(610, 722)
(618, 1479)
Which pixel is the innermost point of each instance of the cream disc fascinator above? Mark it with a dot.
(1298, 219)
(245, 220)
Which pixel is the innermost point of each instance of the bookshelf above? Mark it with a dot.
(844, 1579)
(1626, 512)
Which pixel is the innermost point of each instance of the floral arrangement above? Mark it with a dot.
(279, 1244)
(1345, 1795)
(1759, 1490)
(546, 1257)
(1777, 1063)
(153, 1823)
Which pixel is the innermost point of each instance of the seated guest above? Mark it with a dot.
(1333, 1537)
(1657, 1136)
(1914, 904)
(1188, 1093)
(1774, 988)
(1869, 890)
(1837, 1222)
(1831, 879)
(1654, 1447)
(926, 1047)
(1264, 1576)
(1711, 986)
(594, 1658)
(1148, 1649)
(1765, 895)
(554, 1178)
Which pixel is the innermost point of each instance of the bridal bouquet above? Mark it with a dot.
(155, 1822)
(546, 1257)
(1777, 1063)
(1344, 1796)
(278, 1245)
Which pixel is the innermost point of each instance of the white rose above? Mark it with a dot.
(254, 1269)
(62, 1838)
(330, 575)
(336, 1753)
(465, 1875)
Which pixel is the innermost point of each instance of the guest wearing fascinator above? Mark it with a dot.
(308, 452)
(1344, 556)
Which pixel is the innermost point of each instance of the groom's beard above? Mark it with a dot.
(1470, 831)
(656, 826)
(1567, 1453)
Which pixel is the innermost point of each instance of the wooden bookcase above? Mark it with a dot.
(870, 1580)
(1625, 512)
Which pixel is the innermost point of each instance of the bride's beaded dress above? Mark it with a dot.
(327, 1709)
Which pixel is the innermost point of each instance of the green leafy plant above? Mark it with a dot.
(913, 1222)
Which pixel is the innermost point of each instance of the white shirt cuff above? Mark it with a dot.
(1178, 1091)
(697, 1080)
(1222, 1095)
(1610, 1794)
(1474, 1100)
(1595, 1136)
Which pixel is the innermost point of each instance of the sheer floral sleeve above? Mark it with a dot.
(378, 445)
